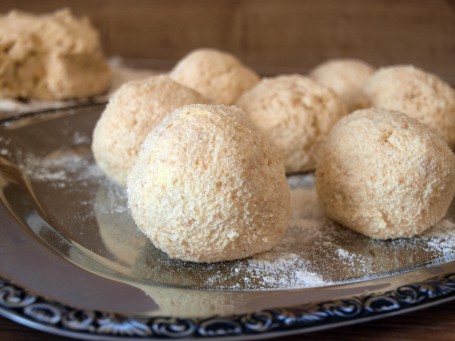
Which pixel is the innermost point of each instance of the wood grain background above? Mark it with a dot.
(273, 36)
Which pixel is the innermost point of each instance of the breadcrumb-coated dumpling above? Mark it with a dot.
(208, 187)
(345, 77)
(296, 113)
(385, 175)
(133, 111)
(418, 94)
(217, 75)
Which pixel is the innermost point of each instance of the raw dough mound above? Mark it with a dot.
(296, 113)
(219, 76)
(208, 187)
(345, 77)
(418, 94)
(385, 175)
(52, 57)
(132, 112)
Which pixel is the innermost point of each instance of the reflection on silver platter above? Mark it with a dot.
(60, 210)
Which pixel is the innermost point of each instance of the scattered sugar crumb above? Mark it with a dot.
(284, 270)
(441, 238)
(314, 252)
(60, 168)
(79, 138)
(342, 253)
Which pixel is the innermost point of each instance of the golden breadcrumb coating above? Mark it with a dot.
(132, 112)
(296, 113)
(217, 75)
(418, 94)
(385, 175)
(208, 187)
(345, 77)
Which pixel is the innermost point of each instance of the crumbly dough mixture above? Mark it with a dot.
(51, 57)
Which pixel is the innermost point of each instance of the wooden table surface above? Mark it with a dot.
(436, 323)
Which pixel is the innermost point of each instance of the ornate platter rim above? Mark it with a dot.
(436, 284)
(43, 314)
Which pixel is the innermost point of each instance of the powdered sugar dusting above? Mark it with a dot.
(60, 168)
(269, 270)
(343, 254)
(441, 238)
(286, 270)
(314, 252)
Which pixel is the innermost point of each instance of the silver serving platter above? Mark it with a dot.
(73, 263)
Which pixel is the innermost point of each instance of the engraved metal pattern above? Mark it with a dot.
(80, 323)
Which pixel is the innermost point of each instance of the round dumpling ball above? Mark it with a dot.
(345, 77)
(217, 75)
(385, 175)
(416, 93)
(208, 187)
(132, 112)
(296, 113)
